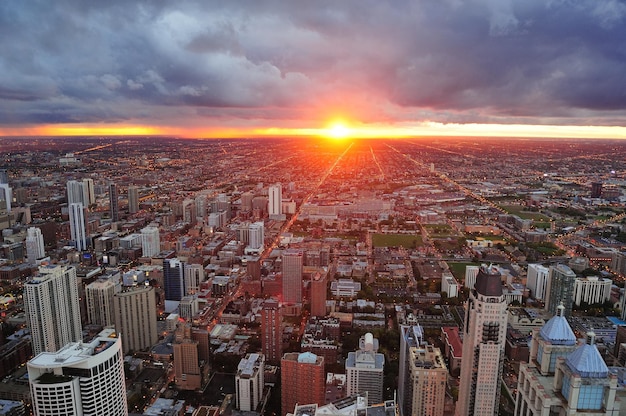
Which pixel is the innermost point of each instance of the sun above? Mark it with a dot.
(338, 130)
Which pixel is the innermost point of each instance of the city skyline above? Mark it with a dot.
(403, 69)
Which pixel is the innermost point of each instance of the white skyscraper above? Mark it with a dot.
(150, 241)
(484, 339)
(470, 276)
(537, 280)
(6, 194)
(34, 244)
(77, 226)
(249, 382)
(193, 275)
(52, 308)
(364, 370)
(256, 237)
(275, 209)
(80, 379)
(75, 193)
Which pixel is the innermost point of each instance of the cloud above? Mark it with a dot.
(518, 61)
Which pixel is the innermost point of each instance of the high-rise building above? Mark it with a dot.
(560, 288)
(484, 339)
(364, 370)
(34, 244)
(78, 231)
(592, 290)
(470, 276)
(411, 336)
(150, 241)
(303, 380)
(565, 378)
(428, 379)
(187, 366)
(537, 280)
(193, 275)
(136, 317)
(133, 199)
(319, 291)
(256, 237)
(275, 208)
(272, 330)
(292, 267)
(249, 382)
(4, 176)
(75, 194)
(596, 189)
(80, 379)
(6, 195)
(52, 308)
(89, 195)
(99, 296)
(173, 279)
(114, 201)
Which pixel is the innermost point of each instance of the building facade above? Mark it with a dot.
(272, 330)
(52, 308)
(99, 296)
(173, 279)
(364, 370)
(319, 291)
(537, 279)
(428, 381)
(150, 241)
(80, 379)
(303, 380)
(484, 340)
(292, 264)
(249, 382)
(78, 231)
(35, 248)
(136, 317)
(560, 289)
(592, 290)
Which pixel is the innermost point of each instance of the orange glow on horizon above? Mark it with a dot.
(337, 129)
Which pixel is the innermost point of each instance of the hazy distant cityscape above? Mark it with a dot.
(442, 276)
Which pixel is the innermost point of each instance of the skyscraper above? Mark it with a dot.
(89, 196)
(173, 279)
(275, 208)
(80, 379)
(319, 288)
(34, 244)
(6, 195)
(99, 296)
(410, 337)
(75, 194)
(136, 317)
(303, 380)
(364, 370)
(113, 196)
(249, 382)
(187, 367)
(537, 280)
(292, 265)
(77, 226)
(52, 308)
(272, 330)
(484, 339)
(428, 379)
(560, 288)
(133, 199)
(193, 275)
(256, 237)
(150, 241)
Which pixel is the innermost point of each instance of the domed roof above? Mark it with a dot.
(587, 361)
(557, 329)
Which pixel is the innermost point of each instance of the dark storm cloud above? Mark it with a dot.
(529, 61)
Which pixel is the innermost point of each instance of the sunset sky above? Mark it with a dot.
(363, 68)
